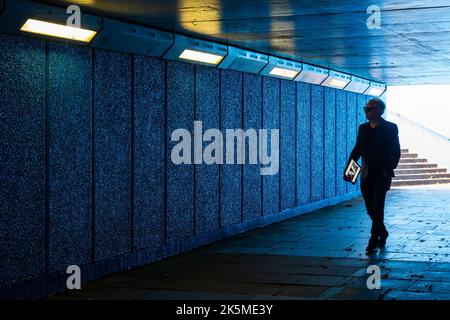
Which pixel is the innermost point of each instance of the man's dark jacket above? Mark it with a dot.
(387, 160)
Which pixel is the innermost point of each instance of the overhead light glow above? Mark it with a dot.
(280, 72)
(58, 30)
(375, 92)
(337, 83)
(376, 89)
(199, 56)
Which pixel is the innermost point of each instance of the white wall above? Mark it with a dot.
(419, 139)
(428, 105)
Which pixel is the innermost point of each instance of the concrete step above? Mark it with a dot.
(398, 183)
(417, 160)
(409, 156)
(416, 171)
(417, 166)
(421, 176)
(404, 150)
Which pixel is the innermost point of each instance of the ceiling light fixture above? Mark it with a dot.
(281, 68)
(58, 30)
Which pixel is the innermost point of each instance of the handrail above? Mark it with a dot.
(440, 135)
(430, 144)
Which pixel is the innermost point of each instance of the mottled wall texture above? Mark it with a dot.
(86, 176)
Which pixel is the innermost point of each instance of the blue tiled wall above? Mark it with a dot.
(341, 141)
(303, 143)
(352, 129)
(207, 110)
(85, 150)
(149, 156)
(230, 175)
(329, 150)
(252, 116)
(317, 143)
(70, 155)
(22, 158)
(112, 153)
(271, 120)
(361, 118)
(287, 144)
(180, 178)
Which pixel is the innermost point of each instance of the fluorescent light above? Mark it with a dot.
(337, 83)
(290, 74)
(375, 92)
(281, 68)
(337, 80)
(199, 56)
(58, 30)
(376, 89)
(196, 51)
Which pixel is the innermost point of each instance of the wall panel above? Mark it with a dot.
(149, 157)
(303, 143)
(70, 155)
(351, 129)
(330, 143)
(287, 144)
(231, 175)
(341, 141)
(207, 110)
(271, 120)
(22, 170)
(252, 109)
(180, 178)
(317, 143)
(112, 136)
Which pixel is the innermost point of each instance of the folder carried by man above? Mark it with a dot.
(352, 171)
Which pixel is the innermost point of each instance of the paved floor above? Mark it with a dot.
(315, 256)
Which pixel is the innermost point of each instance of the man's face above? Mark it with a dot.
(372, 111)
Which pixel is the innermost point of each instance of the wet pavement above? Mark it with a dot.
(319, 255)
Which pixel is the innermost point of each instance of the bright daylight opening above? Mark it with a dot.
(421, 113)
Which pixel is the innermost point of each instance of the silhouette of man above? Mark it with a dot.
(378, 146)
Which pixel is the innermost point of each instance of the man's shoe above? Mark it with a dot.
(382, 241)
(371, 247)
(371, 250)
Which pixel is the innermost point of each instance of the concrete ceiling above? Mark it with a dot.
(411, 47)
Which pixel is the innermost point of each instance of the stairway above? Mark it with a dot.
(415, 171)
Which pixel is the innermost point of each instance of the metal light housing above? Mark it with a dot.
(196, 51)
(337, 80)
(357, 85)
(312, 74)
(244, 60)
(48, 22)
(281, 68)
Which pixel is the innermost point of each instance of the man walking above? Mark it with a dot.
(378, 146)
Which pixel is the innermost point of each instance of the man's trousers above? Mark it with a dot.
(374, 190)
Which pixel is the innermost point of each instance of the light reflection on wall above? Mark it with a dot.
(205, 19)
(282, 28)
